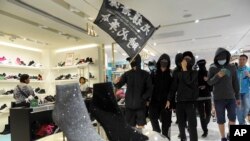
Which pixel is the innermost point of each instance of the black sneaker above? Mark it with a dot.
(68, 76)
(41, 91)
(223, 139)
(91, 61)
(37, 89)
(3, 106)
(204, 134)
(31, 63)
(60, 77)
(22, 63)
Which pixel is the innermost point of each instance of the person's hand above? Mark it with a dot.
(205, 78)
(184, 65)
(167, 105)
(221, 74)
(202, 87)
(117, 80)
(238, 102)
(247, 74)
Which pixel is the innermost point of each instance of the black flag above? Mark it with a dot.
(126, 26)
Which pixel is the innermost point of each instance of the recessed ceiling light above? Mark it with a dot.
(124, 54)
(115, 51)
(90, 19)
(152, 54)
(20, 46)
(197, 21)
(196, 56)
(76, 48)
(155, 43)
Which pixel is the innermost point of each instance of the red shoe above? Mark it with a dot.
(2, 59)
(18, 61)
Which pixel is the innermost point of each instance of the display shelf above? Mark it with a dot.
(20, 67)
(68, 80)
(6, 96)
(17, 81)
(120, 71)
(71, 67)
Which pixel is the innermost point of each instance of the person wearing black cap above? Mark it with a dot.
(162, 82)
(139, 90)
(186, 85)
(223, 77)
(204, 100)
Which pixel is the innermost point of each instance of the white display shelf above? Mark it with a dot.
(67, 80)
(17, 81)
(20, 67)
(71, 67)
(6, 96)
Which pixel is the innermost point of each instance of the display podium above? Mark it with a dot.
(21, 120)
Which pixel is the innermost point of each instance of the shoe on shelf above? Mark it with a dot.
(18, 61)
(31, 63)
(6, 130)
(60, 77)
(2, 59)
(41, 91)
(40, 77)
(22, 63)
(3, 107)
(91, 76)
(8, 92)
(37, 89)
(68, 76)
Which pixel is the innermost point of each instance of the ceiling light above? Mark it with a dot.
(91, 19)
(152, 54)
(42, 26)
(19, 46)
(76, 48)
(124, 54)
(196, 56)
(154, 44)
(197, 21)
(73, 9)
(145, 50)
(115, 51)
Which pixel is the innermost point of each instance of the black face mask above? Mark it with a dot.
(133, 64)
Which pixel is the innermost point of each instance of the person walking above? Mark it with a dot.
(244, 80)
(186, 85)
(223, 77)
(162, 82)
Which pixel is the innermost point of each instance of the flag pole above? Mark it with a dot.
(132, 59)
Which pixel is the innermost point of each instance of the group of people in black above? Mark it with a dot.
(184, 90)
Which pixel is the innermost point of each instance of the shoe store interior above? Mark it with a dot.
(123, 70)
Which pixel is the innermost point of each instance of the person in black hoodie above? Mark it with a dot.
(162, 82)
(186, 84)
(204, 100)
(139, 90)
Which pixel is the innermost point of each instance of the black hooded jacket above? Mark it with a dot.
(185, 83)
(226, 87)
(162, 81)
(204, 88)
(139, 86)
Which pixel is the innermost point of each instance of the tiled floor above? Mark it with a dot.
(212, 136)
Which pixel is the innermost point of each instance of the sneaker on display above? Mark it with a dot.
(8, 92)
(40, 77)
(2, 59)
(6, 130)
(59, 77)
(4, 106)
(18, 61)
(41, 91)
(31, 63)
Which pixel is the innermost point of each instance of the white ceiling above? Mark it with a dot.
(223, 24)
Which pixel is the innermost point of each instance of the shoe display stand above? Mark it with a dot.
(21, 120)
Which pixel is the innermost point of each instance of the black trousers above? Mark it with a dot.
(204, 109)
(157, 111)
(186, 111)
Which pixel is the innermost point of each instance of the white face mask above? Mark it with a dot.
(222, 62)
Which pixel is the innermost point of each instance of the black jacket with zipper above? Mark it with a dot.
(186, 85)
(162, 82)
(139, 87)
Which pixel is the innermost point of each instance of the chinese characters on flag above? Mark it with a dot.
(126, 26)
